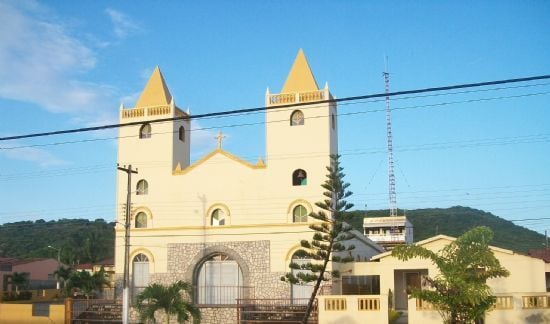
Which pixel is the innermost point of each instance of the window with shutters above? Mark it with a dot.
(141, 220)
(299, 214)
(142, 187)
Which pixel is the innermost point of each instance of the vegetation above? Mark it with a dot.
(63, 274)
(173, 300)
(85, 241)
(330, 234)
(459, 292)
(86, 283)
(80, 240)
(455, 221)
(19, 280)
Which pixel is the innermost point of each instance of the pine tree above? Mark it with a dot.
(331, 232)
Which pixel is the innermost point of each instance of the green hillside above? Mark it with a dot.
(456, 220)
(88, 241)
(80, 240)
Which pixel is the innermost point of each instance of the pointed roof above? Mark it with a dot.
(300, 78)
(156, 92)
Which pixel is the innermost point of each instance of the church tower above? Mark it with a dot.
(303, 132)
(162, 146)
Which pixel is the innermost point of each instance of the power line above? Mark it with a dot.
(440, 104)
(257, 109)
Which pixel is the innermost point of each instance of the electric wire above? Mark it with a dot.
(245, 110)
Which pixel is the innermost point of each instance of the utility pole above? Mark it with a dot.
(126, 279)
(58, 285)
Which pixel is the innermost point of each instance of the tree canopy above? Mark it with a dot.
(172, 299)
(459, 291)
(80, 240)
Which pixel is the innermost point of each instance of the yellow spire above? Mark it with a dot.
(156, 92)
(300, 78)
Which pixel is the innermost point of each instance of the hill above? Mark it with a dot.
(80, 240)
(456, 220)
(84, 240)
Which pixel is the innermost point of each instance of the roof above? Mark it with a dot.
(156, 92)
(179, 170)
(83, 266)
(437, 238)
(300, 78)
(25, 261)
(543, 254)
(107, 262)
(389, 220)
(7, 260)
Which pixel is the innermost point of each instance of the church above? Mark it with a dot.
(227, 226)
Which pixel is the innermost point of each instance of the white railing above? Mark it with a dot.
(386, 237)
(149, 111)
(297, 97)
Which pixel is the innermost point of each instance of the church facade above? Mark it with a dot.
(228, 226)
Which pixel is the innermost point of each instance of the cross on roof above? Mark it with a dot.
(220, 138)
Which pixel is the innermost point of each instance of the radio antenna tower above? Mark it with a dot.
(391, 174)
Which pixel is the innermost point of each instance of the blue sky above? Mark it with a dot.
(70, 64)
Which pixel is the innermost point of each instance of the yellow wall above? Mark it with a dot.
(351, 313)
(22, 313)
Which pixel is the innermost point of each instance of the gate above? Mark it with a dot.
(90, 311)
(290, 311)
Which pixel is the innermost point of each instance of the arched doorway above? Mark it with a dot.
(219, 281)
(301, 293)
(140, 273)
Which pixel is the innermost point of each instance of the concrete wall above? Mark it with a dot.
(22, 313)
(516, 313)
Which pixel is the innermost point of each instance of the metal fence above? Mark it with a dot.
(221, 295)
(288, 311)
(89, 311)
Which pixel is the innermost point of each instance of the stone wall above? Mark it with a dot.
(219, 315)
(253, 259)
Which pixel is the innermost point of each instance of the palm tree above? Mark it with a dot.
(19, 280)
(87, 283)
(170, 299)
(62, 274)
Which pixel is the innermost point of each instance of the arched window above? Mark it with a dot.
(301, 293)
(220, 281)
(145, 131)
(182, 134)
(332, 121)
(299, 177)
(141, 220)
(142, 187)
(217, 218)
(299, 214)
(297, 118)
(140, 273)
